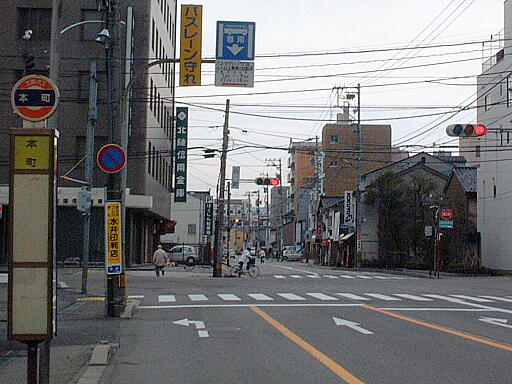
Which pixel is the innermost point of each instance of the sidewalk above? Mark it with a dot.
(80, 327)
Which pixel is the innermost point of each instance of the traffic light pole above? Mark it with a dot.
(219, 227)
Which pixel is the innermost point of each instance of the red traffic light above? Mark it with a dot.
(480, 130)
(466, 130)
(274, 181)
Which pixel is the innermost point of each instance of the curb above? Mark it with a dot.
(131, 308)
(97, 363)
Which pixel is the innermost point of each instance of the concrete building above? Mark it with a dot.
(339, 144)
(151, 126)
(279, 206)
(494, 176)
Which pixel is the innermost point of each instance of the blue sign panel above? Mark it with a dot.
(235, 40)
(446, 224)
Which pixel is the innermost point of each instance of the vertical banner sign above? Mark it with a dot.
(32, 220)
(190, 47)
(235, 177)
(113, 238)
(349, 212)
(208, 217)
(180, 157)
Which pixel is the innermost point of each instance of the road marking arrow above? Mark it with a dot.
(187, 322)
(499, 322)
(352, 325)
(235, 49)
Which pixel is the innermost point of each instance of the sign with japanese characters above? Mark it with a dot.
(34, 98)
(180, 155)
(208, 218)
(235, 177)
(233, 73)
(32, 152)
(190, 47)
(235, 40)
(113, 242)
(349, 211)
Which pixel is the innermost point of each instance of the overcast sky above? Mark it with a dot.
(426, 76)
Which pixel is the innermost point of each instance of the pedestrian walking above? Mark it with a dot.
(262, 255)
(159, 260)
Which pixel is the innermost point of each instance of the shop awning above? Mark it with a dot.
(347, 236)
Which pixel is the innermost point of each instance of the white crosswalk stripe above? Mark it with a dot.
(136, 296)
(260, 297)
(412, 297)
(381, 277)
(347, 276)
(313, 276)
(296, 276)
(280, 277)
(352, 296)
(229, 297)
(382, 297)
(331, 277)
(198, 297)
(291, 296)
(321, 296)
(477, 299)
(497, 298)
(365, 277)
(166, 298)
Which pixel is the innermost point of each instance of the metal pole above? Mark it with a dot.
(89, 164)
(32, 362)
(229, 219)
(258, 226)
(249, 223)
(359, 238)
(267, 229)
(217, 266)
(280, 208)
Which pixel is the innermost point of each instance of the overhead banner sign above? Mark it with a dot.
(235, 177)
(190, 47)
(180, 157)
(113, 238)
(349, 210)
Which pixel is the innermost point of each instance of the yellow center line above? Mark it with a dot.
(440, 328)
(91, 299)
(337, 369)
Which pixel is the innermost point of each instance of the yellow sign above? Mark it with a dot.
(113, 237)
(32, 152)
(191, 38)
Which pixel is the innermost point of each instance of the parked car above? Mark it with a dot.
(291, 255)
(183, 254)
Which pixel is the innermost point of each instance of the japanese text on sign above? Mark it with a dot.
(180, 158)
(113, 237)
(208, 219)
(32, 152)
(190, 48)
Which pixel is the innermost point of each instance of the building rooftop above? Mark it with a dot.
(466, 177)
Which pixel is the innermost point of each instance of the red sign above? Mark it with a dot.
(111, 158)
(446, 214)
(35, 98)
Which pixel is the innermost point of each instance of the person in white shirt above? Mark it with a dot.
(244, 260)
(262, 255)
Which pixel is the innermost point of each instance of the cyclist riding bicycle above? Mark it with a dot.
(244, 259)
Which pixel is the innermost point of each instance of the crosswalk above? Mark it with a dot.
(367, 297)
(332, 276)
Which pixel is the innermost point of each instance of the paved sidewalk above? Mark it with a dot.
(80, 326)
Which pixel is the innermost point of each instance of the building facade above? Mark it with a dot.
(151, 123)
(494, 176)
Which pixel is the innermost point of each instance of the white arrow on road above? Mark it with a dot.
(499, 322)
(235, 49)
(199, 325)
(352, 325)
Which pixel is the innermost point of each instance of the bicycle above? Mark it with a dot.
(253, 270)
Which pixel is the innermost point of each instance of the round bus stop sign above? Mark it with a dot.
(111, 158)
(446, 214)
(35, 98)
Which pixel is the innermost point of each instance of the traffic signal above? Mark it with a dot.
(209, 153)
(237, 220)
(466, 130)
(30, 64)
(267, 181)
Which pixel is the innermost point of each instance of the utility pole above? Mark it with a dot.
(267, 228)
(89, 164)
(359, 238)
(258, 226)
(219, 228)
(279, 176)
(229, 219)
(249, 225)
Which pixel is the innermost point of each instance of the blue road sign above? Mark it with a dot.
(446, 224)
(235, 40)
(111, 158)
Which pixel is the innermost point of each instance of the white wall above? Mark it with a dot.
(495, 172)
(191, 212)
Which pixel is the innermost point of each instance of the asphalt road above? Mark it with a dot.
(302, 324)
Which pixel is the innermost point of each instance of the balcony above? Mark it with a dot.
(493, 50)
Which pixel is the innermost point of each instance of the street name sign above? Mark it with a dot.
(235, 40)
(111, 158)
(35, 98)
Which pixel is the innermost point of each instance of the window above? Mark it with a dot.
(149, 158)
(191, 229)
(487, 102)
(509, 91)
(39, 20)
(477, 151)
(333, 164)
(153, 35)
(335, 139)
(90, 31)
